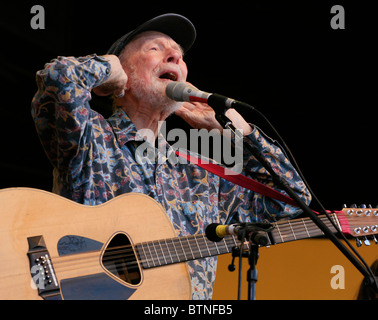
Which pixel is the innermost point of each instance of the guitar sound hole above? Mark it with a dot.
(119, 258)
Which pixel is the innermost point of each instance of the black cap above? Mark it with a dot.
(179, 28)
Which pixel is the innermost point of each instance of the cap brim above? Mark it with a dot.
(179, 28)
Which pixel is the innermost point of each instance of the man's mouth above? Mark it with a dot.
(168, 76)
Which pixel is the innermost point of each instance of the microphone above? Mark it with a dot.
(181, 91)
(256, 233)
(216, 232)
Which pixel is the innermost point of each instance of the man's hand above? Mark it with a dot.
(116, 83)
(202, 116)
(198, 115)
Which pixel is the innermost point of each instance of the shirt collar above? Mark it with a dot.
(126, 131)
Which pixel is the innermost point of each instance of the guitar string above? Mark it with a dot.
(309, 231)
(120, 251)
(292, 226)
(282, 226)
(121, 257)
(186, 245)
(156, 262)
(153, 260)
(197, 239)
(186, 239)
(159, 261)
(131, 263)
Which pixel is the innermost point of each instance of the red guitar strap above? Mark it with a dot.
(238, 179)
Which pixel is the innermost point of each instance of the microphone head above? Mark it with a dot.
(211, 232)
(175, 90)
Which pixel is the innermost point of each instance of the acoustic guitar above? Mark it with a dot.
(54, 248)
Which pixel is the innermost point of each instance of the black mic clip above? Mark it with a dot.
(255, 233)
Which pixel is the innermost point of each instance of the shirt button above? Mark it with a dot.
(107, 71)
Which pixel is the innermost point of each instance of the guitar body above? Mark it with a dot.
(53, 248)
(73, 241)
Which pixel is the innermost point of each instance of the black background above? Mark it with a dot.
(315, 84)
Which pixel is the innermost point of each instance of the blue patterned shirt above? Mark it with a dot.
(94, 161)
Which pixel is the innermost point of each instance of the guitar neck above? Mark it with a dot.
(298, 229)
(174, 250)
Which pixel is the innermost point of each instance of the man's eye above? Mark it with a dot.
(154, 49)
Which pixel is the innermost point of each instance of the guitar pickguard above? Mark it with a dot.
(118, 259)
(94, 287)
(75, 244)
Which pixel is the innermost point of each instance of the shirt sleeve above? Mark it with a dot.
(60, 107)
(253, 207)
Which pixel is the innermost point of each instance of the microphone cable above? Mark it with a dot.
(315, 198)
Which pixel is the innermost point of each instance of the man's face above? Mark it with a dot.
(151, 61)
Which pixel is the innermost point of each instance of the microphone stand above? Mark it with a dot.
(255, 233)
(252, 275)
(218, 103)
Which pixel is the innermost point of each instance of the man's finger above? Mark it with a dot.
(120, 95)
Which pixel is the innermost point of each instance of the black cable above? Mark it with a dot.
(317, 201)
(225, 122)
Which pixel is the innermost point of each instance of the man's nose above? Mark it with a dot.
(173, 56)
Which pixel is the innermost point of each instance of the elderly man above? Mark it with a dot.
(95, 159)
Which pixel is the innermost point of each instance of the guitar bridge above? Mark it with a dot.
(41, 269)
